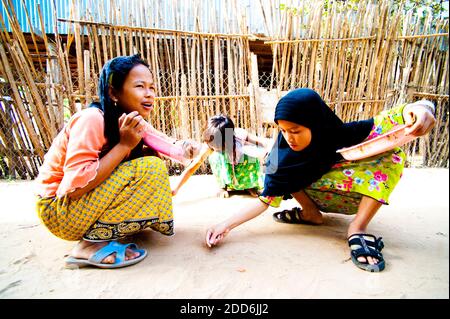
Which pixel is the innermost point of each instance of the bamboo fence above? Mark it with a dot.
(198, 74)
(361, 60)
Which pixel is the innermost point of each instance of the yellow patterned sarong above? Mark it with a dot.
(136, 196)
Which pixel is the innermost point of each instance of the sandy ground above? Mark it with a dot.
(260, 259)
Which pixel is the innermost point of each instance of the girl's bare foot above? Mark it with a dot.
(309, 212)
(85, 249)
(312, 215)
(253, 192)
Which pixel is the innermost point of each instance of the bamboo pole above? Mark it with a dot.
(9, 150)
(184, 108)
(216, 71)
(422, 36)
(157, 30)
(87, 78)
(4, 34)
(97, 48)
(18, 35)
(32, 34)
(20, 107)
(78, 48)
(46, 129)
(123, 46)
(20, 148)
(320, 40)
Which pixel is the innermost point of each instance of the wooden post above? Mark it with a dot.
(87, 77)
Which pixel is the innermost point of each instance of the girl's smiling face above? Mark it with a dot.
(297, 136)
(138, 91)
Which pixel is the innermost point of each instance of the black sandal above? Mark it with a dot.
(362, 246)
(291, 216)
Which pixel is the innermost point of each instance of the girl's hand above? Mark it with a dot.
(190, 149)
(419, 120)
(130, 126)
(215, 234)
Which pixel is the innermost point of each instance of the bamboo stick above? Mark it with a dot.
(216, 71)
(15, 26)
(102, 31)
(20, 149)
(319, 40)
(123, 46)
(20, 107)
(87, 77)
(46, 129)
(32, 34)
(5, 135)
(431, 95)
(160, 31)
(97, 48)
(184, 108)
(5, 35)
(78, 48)
(422, 36)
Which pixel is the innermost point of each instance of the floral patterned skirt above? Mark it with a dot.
(340, 190)
(246, 174)
(135, 196)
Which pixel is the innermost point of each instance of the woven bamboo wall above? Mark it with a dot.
(361, 61)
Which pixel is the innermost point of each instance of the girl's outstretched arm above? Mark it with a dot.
(258, 141)
(178, 150)
(262, 143)
(216, 233)
(192, 167)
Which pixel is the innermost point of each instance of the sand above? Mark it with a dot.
(260, 259)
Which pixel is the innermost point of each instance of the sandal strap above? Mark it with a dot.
(365, 247)
(112, 247)
(361, 252)
(290, 215)
(357, 239)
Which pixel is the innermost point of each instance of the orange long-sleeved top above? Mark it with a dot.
(73, 158)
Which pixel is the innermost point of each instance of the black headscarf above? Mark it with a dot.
(289, 171)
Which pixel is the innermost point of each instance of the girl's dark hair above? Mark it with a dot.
(219, 134)
(113, 74)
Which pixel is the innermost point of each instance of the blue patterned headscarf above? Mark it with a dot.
(289, 171)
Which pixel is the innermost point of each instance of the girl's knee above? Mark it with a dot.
(152, 166)
(154, 163)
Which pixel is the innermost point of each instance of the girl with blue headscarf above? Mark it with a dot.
(96, 185)
(304, 164)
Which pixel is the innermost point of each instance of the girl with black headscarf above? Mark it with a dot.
(304, 164)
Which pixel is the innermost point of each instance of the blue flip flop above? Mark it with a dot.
(113, 247)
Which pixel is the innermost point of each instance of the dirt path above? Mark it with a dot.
(260, 259)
